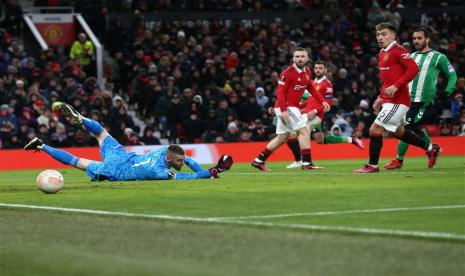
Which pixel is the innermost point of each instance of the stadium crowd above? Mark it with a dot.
(209, 83)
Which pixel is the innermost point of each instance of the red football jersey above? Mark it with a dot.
(396, 67)
(292, 84)
(325, 89)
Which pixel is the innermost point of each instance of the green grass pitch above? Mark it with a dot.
(285, 222)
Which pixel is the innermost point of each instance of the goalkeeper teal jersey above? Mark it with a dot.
(423, 86)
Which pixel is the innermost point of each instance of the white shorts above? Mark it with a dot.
(313, 123)
(391, 116)
(296, 121)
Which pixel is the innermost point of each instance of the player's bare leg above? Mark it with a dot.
(259, 161)
(293, 145)
(376, 143)
(303, 135)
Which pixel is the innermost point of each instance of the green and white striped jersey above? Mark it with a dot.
(423, 87)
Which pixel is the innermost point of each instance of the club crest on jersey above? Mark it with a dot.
(406, 55)
(386, 57)
(307, 77)
(317, 87)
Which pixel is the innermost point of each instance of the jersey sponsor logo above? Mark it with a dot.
(329, 89)
(406, 55)
(450, 67)
(383, 68)
(299, 87)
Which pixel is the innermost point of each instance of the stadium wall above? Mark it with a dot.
(242, 152)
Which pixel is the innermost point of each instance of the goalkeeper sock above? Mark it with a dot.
(264, 155)
(61, 155)
(331, 139)
(293, 144)
(376, 143)
(306, 155)
(92, 126)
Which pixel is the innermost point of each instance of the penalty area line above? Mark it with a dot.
(344, 229)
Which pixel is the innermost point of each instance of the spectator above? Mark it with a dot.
(82, 51)
(149, 137)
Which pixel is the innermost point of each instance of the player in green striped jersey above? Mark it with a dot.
(423, 88)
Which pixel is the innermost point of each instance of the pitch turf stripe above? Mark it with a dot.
(332, 213)
(362, 230)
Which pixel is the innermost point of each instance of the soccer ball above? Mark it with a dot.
(50, 181)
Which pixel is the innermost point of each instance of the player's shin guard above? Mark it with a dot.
(412, 138)
(264, 155)
(61, 155)
(306, 155)
(92, 126)
(293, 144)
(376, 143)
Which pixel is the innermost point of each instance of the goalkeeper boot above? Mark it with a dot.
(294, 165)
(433, 155)
(367, 169)
(394, 164)
(35, 144)
(357, 142)
(259, 165)
(68, 111)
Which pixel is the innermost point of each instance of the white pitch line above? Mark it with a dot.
(330, 213)
(330, 173)
(364, 230)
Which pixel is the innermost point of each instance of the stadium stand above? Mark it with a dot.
(202, 81)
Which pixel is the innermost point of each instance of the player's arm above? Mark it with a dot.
(317, 96)
(284, 84)
(407, 62)
(166, 174)
(192, 164)
(447, 68)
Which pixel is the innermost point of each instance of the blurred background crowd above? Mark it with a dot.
(206, 82)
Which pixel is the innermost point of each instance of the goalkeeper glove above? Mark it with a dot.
(223, 164)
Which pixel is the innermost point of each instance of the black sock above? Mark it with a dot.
(306, 155)
(414, 139)
(293, 144)
(264, 154)
(376, 143)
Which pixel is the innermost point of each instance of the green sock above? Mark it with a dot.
(426, 137)
(330, 139)
(402, 148)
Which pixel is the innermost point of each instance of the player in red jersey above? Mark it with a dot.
(396, 70)
(293, 81)
(314, 111)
